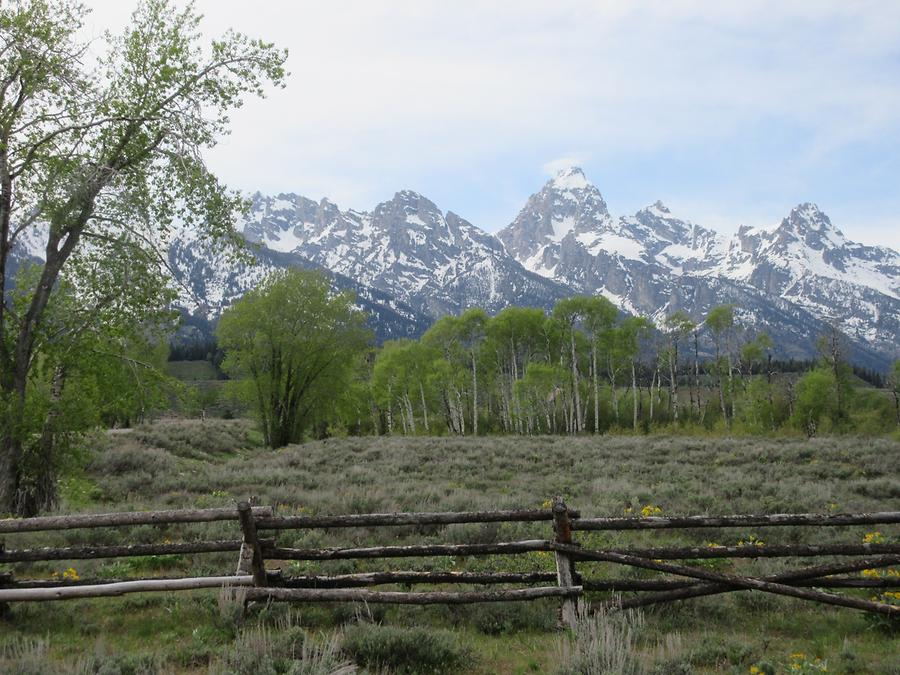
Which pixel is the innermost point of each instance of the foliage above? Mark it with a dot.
(99, 162)
(816, 400)
(294, 346)
(587, 368)
(406, 650)
(604, 643)
(284, 649)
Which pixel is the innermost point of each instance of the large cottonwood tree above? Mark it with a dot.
(295, 346)
(98, 160)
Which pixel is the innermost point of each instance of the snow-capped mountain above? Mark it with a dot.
(435, 262)
(789, 279)
(565, 232)
(410, 263)
(209, 281)
(808, 261)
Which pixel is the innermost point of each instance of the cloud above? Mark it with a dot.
(728, 105)
(554, 166)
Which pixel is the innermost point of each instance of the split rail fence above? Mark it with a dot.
(258, 583)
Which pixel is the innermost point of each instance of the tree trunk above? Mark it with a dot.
(576, 394)
(635, 396)
(39, 491)
(673, 380)
(697, 375)
(409, 413)
(719, 382)
(596, 387)
(731, 384)
(474, 396)
(424, 406)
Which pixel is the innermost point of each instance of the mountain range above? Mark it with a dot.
(409, 262)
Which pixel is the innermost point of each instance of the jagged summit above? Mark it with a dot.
(571, 178)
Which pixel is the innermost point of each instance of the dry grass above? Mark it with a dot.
(204, 464)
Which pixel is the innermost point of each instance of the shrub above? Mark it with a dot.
(406, 650)
(118, 664)
(497, 618)
(26, 656)
(603, 643)
(129, 458)
(284, 650)
(196, 439)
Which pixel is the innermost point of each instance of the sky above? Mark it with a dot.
(729, 112)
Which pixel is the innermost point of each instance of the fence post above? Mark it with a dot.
(251, 558)
(5, 578)
(562, 531)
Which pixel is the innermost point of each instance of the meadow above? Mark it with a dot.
(172, 464)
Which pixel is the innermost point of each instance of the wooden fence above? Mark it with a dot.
(254, 550)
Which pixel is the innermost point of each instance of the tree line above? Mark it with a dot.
(303, 360)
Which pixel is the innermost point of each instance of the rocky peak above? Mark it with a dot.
(808, 224)
(570, 190)
(571, 178)
(659, 207)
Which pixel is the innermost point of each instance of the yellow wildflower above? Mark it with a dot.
(650, 510)
(70, 574)
(871, 574)
(873, 538)
(546, 504)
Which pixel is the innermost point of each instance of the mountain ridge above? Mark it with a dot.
(791, 278)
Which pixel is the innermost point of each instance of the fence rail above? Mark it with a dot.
(681, 581)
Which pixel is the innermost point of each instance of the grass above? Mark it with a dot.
(175, 464)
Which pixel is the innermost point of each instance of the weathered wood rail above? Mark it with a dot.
(684, 580)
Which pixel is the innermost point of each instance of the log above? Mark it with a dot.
(378, 578)
(128, 550)
(384, 519)
(767, 551)
(636, 585)
(364, 579)
(11, 525)
(54, 583)
(120, 588)
(423, 550)
(401, 598)
(771, 520)
(252, 544)
(565, 573)
(809, 576)
(731, 580)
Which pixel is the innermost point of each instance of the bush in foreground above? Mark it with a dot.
(604, 643)
(406, 650)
